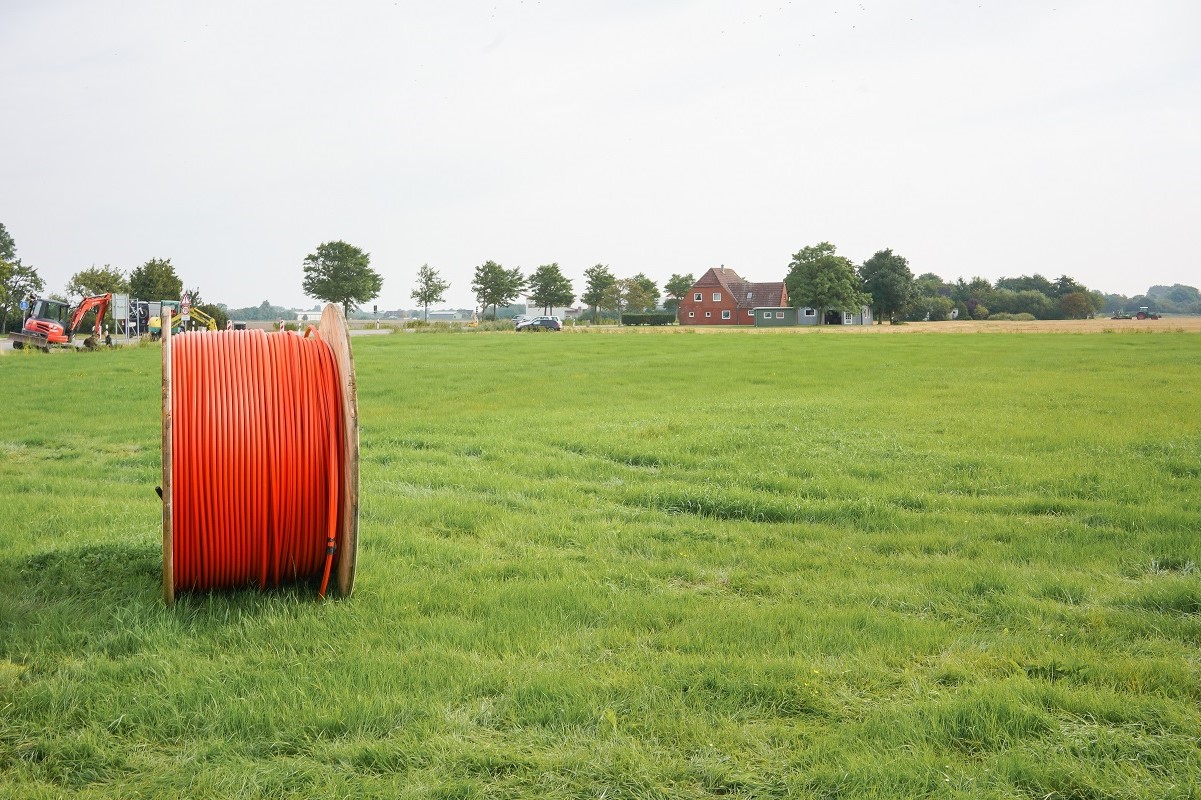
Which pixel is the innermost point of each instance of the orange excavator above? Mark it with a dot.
(53, 322)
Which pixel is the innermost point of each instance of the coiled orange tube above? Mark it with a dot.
(256, 455)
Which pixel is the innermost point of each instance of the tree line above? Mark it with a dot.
(820, 278)
(547, 287)
(340, 273)
(817, 277)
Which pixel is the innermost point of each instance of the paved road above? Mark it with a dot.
(119, 341)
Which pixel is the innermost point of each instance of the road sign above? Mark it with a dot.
(24, 305)
(185, 306)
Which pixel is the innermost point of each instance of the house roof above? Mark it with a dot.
(746, 294)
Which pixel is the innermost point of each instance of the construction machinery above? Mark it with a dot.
(1144, 312)
(53, 322)
(203, 318)
(155, 328)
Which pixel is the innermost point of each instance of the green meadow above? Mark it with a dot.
(638, 565)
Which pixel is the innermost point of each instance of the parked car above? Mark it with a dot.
(541, 324)
(520, 318)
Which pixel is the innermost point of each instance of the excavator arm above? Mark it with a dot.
(203, 318)
(99, 303)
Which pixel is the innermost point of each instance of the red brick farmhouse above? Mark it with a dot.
(722, 297)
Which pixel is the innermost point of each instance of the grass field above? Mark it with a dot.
(648, 565)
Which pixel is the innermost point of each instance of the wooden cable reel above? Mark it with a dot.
(249, 513)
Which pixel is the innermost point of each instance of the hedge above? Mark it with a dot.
(660, 318)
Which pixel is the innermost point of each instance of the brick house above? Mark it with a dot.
(722, 297)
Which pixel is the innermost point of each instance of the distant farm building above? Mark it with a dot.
(562, 312)
(787, 316)
(448, 315)
(722, 297)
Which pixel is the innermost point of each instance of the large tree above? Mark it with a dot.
(1028, 283)
(1076, 305)
(967, 291)
(598, 280)
(820, 278)
(630, 294)
(8, 248)
(549, 287)
(614, 297)
(1065, 285)
(496, 286)
(929, 290)
(17, 282)
(676, 287)
(888, 279)
(430, 288)
(341, 273)
(98, 280)
(8, 255)
(1037, 304)
(932, 285)
(155, 280)
(648, 297)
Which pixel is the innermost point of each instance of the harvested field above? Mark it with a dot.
(1106, 325)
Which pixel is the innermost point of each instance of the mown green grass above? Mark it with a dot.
(639, 566)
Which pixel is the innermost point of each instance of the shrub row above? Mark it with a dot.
(1022, 317)
(661, 318)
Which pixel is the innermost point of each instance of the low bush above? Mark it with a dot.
(656, 318)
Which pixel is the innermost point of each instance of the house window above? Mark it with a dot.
(750, 313)
(809, 312)
(725, 314)
(779, 315)
(696, 297)
(692, 313)
(717, 297)
(767, 315)
(847, 317)
(708, 313)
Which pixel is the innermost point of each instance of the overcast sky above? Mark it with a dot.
(974, 137)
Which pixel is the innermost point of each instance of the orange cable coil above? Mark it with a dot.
(257, 459)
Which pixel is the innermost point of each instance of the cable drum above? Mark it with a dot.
(260, 459)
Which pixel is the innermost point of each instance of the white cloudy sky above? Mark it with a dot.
(974, 137)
